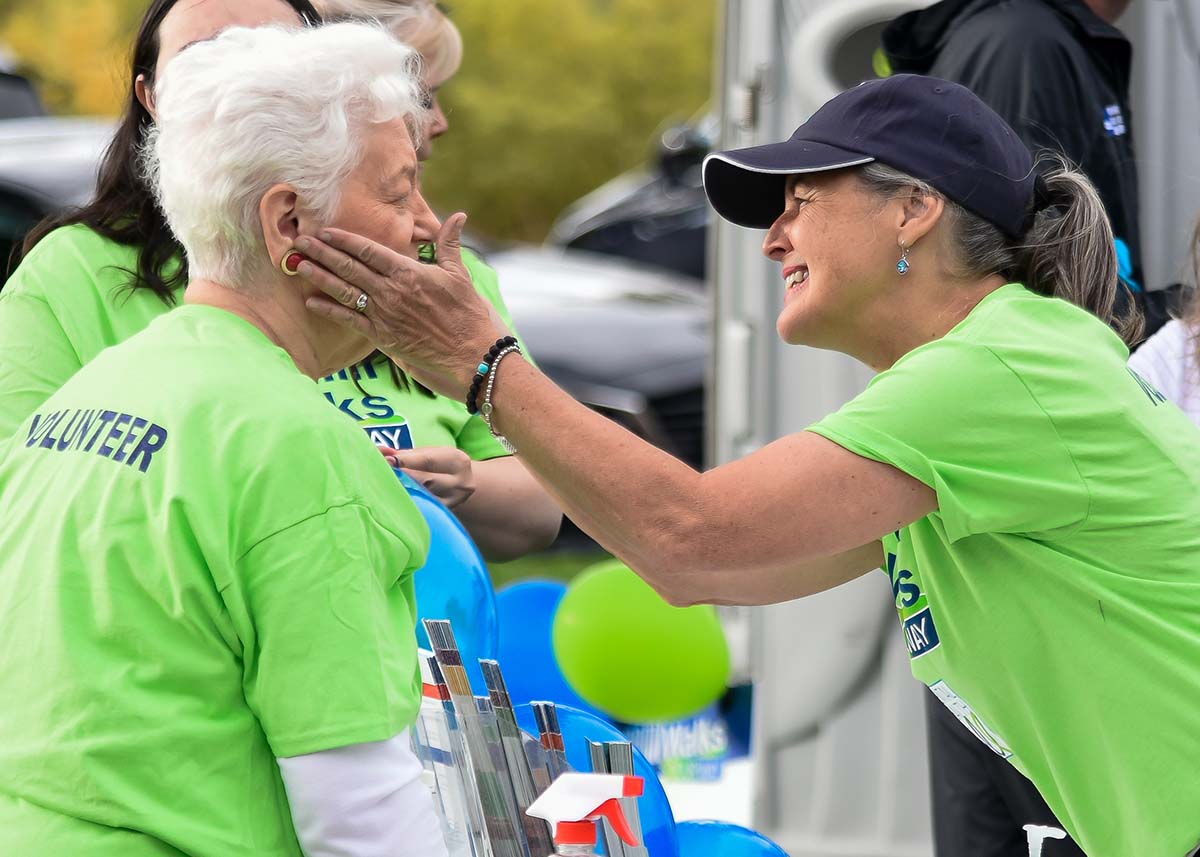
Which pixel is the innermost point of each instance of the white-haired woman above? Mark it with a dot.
(500, 503)
(1033, 504)
(206, 618)
(96, 276)
(93, 276)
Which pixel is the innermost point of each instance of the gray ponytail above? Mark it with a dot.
(1067, 251)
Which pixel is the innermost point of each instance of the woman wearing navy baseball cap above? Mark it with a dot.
(1033, 501)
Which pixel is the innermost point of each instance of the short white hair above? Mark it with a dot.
(257, 107)
(420, 23)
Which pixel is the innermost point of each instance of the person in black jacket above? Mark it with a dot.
(1058, 72)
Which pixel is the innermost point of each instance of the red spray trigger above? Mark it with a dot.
(611, 809)
(575, 802)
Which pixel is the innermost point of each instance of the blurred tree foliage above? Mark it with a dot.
(554, 96)
(76, 51)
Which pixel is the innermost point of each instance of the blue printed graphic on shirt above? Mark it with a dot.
(1114, 121)
(363, 408)
(383, 425)
(127, 439)
(396, 436)
(916, 615)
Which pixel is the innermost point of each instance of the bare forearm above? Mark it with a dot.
(634, 499)
(798, 517)
(510, 514)
(736, 580)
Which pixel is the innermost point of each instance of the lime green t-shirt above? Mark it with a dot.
(205, 568)
(70, 299)
(1053, 599)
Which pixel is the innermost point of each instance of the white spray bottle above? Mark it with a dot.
(575, 803)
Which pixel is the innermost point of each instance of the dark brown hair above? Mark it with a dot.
(123, 208)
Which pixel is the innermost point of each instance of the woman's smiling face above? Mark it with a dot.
(836, 245)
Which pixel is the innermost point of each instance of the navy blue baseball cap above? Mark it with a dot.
(932, 129)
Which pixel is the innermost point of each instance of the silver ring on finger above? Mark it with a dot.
(361, 303)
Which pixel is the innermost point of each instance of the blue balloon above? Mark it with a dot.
(654, 810)
(526, 613)
(454, 584)
(718, 839)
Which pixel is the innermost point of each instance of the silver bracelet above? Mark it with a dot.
(486, 409)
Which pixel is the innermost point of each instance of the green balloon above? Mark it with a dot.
(631, 654)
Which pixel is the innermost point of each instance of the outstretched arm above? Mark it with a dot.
(799, 516)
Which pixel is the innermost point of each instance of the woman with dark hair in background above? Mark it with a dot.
(94, 277)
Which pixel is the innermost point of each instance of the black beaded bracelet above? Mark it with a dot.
(481, 372)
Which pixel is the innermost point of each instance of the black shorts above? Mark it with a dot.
(981, 803)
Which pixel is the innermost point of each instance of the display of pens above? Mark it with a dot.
(484, 771)
(546, 714)
(525, 789)
(472, 806)
(598, 752)
(620, 761)
(504, 830)
(435, 736)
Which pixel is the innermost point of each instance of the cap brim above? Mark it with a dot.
(745, 186)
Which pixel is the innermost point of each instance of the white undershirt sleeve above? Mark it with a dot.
(364, 800)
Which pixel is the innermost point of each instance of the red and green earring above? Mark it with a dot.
(290, 263)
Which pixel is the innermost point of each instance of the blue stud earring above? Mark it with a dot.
(902, 266)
